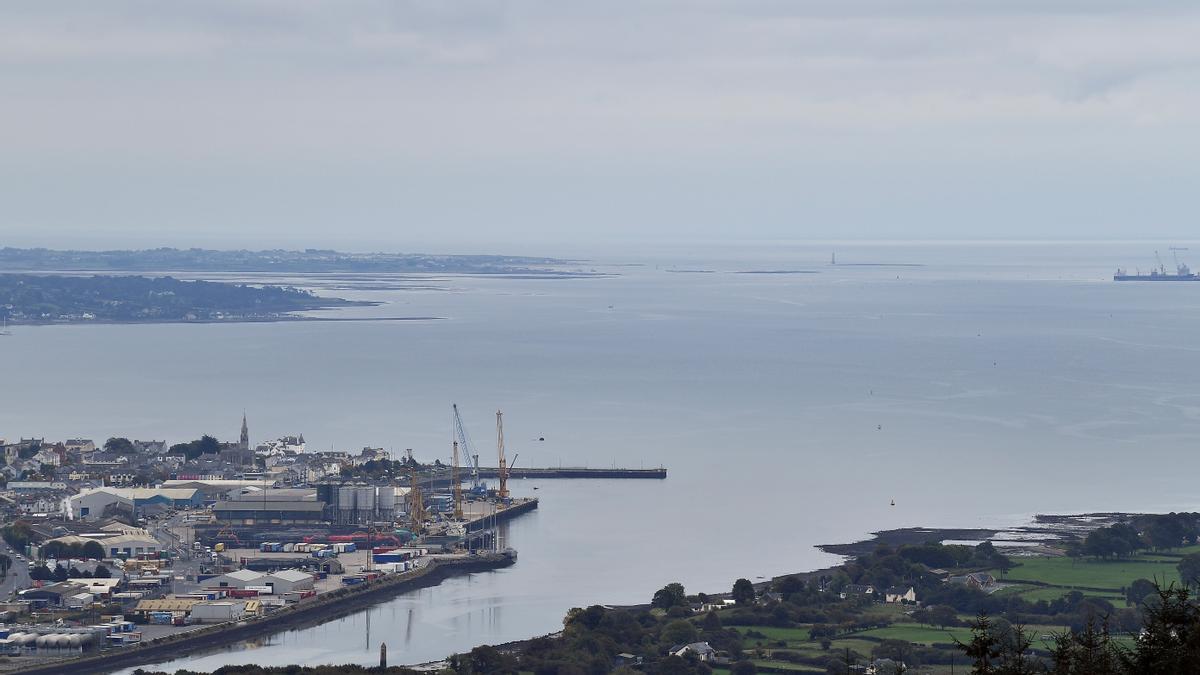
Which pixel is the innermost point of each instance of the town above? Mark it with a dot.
(120, 543)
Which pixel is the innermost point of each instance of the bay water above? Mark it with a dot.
(973, 384)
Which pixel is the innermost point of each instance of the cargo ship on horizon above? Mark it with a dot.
(1159, 273)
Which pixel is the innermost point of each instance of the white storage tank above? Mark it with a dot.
(366, 499)
(346, 498)
(387, 498)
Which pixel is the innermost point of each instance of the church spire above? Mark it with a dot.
(245, 440)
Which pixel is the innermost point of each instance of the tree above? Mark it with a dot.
(59, 574)
(1090, 651)
(1189, 570)
(679, 632)
(488, 659)
(1170, 637)
(1004, 565)
(743, 592)
(205, 445)
(40, 572)
(120, 446)
(1138, 591)
(102, 572)
(711, 622)
(943, 616)
(5, 564)
(671, 595)
(983, 648)
(93, 550)
(901, 651)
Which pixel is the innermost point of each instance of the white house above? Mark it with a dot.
(900, 594)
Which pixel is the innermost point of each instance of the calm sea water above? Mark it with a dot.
(990, 383)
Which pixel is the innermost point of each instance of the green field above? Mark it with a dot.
(1111, 575)
(788, 635)
(1033, 579)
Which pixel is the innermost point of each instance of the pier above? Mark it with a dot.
(659, 473)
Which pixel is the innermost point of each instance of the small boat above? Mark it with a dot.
(4, 330)
(893, 502)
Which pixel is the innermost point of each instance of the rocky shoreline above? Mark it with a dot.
(1044, 536)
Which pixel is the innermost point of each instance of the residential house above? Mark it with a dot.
(82, 446)
(702, 651)
(853, 590)
(897, 594)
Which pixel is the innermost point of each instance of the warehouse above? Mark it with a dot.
(270, 512)
(286, 581)
(95, 503)
(218, 611)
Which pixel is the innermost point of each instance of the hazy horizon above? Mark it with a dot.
(527, 126)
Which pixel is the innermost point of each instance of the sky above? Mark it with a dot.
(529, 127)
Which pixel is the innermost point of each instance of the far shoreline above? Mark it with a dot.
(265, 319)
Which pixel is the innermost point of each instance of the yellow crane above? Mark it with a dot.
(501, 493)
(416, 507)
(458, 512)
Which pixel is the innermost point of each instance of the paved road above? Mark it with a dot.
(18, 574)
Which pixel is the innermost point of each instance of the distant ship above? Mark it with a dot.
(1160, 273)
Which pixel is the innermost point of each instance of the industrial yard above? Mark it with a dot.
(107, 571)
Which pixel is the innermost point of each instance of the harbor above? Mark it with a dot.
(199, 559)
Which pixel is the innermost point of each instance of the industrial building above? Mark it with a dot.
(218, 611)
(266, 512)
(122, 543)
(359, 504)
(285, 581)
(95, 503)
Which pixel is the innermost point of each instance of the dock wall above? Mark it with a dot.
(320, 609)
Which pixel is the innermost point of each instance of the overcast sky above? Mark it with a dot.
(532, 125)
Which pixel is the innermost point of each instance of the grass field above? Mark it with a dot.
(1035, 593)
(1111, 575)
(789, 635)
(1045, 579)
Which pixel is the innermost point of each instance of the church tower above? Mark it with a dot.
(245, 440)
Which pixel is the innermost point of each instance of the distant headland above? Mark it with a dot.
(276, 260)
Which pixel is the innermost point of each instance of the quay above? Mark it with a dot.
(479, 518)
(319, 609)
(574, 472)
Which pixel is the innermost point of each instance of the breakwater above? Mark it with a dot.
(575, 472)
(320, 609)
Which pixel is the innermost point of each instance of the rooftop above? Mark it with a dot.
(251, 505)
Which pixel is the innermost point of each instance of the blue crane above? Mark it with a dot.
(464, 440)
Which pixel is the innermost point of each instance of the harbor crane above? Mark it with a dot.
(416, 506)
(502, 492)
(468, 447)
(458, 510)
